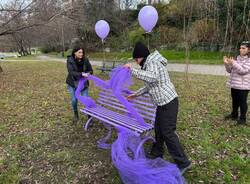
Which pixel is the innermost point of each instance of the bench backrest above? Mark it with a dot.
(143, 104)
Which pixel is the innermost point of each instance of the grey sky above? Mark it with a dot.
(4, 1)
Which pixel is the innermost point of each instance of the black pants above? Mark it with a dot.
(165, 126)
(239, 99)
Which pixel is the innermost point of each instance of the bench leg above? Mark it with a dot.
(86, 126)
(102, 143)
(138, 149)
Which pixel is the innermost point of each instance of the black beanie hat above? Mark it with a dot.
(140, 51)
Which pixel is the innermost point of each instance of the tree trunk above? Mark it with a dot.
(218, 29)
(29, 50)
(186, 28)
(247, 36)
(227, 25)
(1, 70)
(244, 25)
(231, 27)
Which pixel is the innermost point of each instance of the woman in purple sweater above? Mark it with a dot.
(239, 82)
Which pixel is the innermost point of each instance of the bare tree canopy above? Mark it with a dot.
(18, 15)
(55, 24)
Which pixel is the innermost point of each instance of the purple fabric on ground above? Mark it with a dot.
(141, 170)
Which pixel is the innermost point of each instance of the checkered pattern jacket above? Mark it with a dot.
(156, 79)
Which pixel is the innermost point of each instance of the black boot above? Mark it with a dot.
(231, 117)
(75, 118)
(185, 167)
(241, 121)
(157, 150)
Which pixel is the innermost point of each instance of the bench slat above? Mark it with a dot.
(108, 104)
(137, 106)
(142, 98)
(110, 122)
(145, 97)
(125, 119)
(116, 103)
(112, 116)
(123, 109)
(110, 90)
(135, 101)
(111, 111)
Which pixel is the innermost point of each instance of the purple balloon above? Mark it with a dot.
(102, 29)
(148, 17)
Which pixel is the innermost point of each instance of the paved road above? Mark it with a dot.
(192, 68)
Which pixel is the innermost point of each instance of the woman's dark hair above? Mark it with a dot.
(246, 44)
(75, 49)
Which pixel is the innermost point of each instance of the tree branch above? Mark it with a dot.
(19, 13)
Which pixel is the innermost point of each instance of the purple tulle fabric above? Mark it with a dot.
(127, 151)
(87, 101)
(141, 170)
(120, 80)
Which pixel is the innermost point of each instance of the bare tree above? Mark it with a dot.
(127, 3)
(20, 18)
(31, 14)
(83, 15)
(13, 11)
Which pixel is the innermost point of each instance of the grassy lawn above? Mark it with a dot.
(39, 144)
(196, 57)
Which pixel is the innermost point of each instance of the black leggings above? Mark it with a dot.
(239, 99)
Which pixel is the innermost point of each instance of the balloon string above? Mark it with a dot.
(104, 55)
(147, 35)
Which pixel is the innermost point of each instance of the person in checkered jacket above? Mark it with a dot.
(158, 85)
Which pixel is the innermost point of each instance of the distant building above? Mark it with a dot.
(153, 1)
(157, 1)
(124, 4)
(67, 3)
(132, 4)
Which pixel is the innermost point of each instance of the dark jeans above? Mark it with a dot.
(239, 99)
(165, 126)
